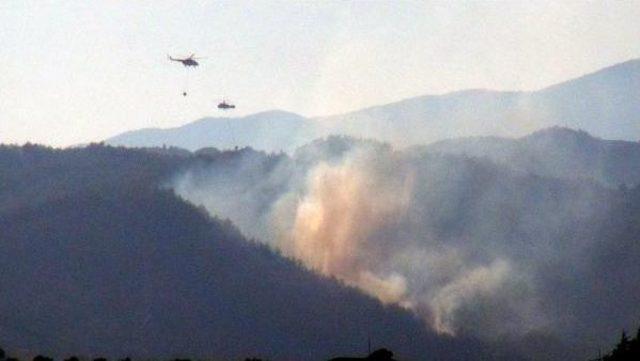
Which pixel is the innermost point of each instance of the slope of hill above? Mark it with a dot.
(555, 152)
(98, 260)
(269, 131)
(428, 118)
(605, 103)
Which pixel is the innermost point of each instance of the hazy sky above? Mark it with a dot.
(77, 71)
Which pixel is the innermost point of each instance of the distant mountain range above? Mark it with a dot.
(273, 131)
(605, 103)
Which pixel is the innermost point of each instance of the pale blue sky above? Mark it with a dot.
(77, 71)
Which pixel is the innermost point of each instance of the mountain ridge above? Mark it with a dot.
(271, 130)
(605, 103)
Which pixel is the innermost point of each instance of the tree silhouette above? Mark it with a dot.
(626, 349)
(381, 355)
(622, 348)
(42, 358)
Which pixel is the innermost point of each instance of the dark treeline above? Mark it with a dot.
(6, 357)
(378, 355)
(627, 349)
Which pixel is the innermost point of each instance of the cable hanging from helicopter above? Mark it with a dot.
(189, 61)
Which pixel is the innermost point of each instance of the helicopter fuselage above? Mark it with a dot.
(186, 62)
(225, 106)
(189, 62)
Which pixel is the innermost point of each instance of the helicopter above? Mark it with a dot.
(189, 61)
(224, 105)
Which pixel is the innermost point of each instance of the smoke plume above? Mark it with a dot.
(337, 218)
(459, 242)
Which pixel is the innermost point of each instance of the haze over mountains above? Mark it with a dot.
(555, 152)
(605, 103)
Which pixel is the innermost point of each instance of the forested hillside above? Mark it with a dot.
(97, 259)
